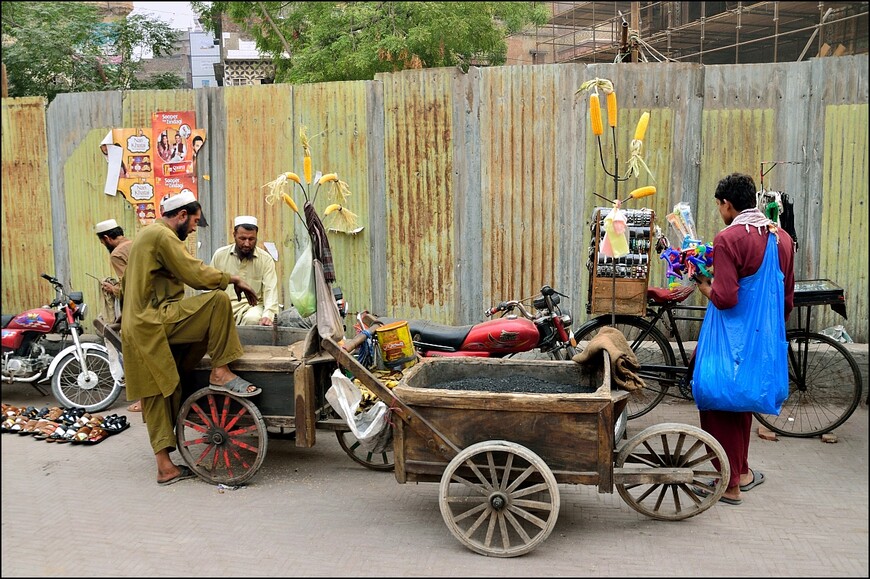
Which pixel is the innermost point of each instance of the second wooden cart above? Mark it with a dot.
(499, 457)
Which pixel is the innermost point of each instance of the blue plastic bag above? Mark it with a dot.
(742, 354)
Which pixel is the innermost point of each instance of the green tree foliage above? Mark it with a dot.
(328, 41)
(56, 47)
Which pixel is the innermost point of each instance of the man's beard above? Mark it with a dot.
(108, 248)
(245, 253)
(183, 229)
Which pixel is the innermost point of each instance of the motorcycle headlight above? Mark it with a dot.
(83, 311)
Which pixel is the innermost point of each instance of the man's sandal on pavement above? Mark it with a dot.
(757, 479)
(237, 386)
(184, 473)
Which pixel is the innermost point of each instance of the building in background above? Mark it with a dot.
(701, 32)
(205, 52)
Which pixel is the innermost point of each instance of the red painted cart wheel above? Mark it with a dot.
(222, 438)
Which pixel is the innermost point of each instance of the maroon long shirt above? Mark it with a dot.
(738, 254)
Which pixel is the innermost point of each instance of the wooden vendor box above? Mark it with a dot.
(571, 432)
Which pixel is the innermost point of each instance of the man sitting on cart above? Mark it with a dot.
(161, 328)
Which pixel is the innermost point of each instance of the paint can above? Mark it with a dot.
(397, 348)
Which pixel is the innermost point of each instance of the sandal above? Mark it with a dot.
(237, 386)
(117, 425)
(20, 422)
(55, 413)
(45, 430)
(69, 434)
(29, 427)
(81, 435)
(58, 433)
(96, 436)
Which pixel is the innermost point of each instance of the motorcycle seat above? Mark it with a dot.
(438, 334)
(6, 319)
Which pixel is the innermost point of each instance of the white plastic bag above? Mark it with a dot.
(372, 427)
(303, 295)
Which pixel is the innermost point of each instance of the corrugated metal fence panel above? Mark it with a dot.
(844, 230)
(27, 247)
(139, 105)
(520, 166)
(79, 122)
(419, 193)
(427, 131)
(259, 145)
(335, 115)
(77, 170)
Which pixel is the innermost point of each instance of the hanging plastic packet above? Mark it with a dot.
(615, 243)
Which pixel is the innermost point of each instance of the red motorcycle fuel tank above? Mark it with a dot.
(503, 335)
(38, 320)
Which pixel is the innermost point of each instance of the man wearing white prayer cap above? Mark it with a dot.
(254, 265)
(160, 327)
(111, 235)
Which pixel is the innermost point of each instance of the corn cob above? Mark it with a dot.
(642, 192)
(327, 178)
(640, 131)
(331, 208)
(611, 108)
(595, 115)
(293, 177)
(290, 203)
(306, 168)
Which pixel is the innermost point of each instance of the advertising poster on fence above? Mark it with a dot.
(148, 164)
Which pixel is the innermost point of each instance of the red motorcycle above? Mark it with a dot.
(546, 329)
(79, 372)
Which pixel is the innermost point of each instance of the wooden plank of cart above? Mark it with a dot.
(498, 457)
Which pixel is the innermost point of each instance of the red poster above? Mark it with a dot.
(173, 135)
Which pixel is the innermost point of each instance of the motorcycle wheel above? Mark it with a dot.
(94, 391)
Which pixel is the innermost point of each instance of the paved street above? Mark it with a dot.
(92, 511)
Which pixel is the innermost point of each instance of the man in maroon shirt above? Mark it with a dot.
(738, 253)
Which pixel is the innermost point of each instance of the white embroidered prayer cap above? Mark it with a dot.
(106, 225)
(172, 203)
(245, 220)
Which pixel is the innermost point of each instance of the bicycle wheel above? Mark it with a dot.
(824, 387)
(653, 349)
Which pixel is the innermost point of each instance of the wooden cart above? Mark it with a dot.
(224, 438)
(499, 457)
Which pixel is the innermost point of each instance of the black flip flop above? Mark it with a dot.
(183, 474)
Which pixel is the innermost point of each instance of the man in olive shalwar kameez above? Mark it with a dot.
(156, 315)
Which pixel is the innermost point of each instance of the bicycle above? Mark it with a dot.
(824, 379)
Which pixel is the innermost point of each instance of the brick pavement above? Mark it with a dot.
(96, 511)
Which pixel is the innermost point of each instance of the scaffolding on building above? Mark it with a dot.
(702, 32)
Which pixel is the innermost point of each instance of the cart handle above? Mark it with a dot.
(408, 415)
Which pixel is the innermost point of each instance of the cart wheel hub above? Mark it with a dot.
(498, 501)
(217, 437)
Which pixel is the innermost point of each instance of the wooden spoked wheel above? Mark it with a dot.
(222, 438)
(382, 460)
(672, 445)
(499, 498)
